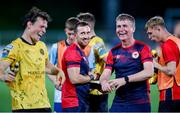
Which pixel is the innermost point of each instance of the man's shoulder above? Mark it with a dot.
(61, 43)
(15, 43)
(140, 43)
(72, 47)
(12, 47)
(116, 47)
(72, 52)
(41, 43)
(96, 40)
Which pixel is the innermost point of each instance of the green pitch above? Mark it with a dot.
(154, 95)
(5, 98)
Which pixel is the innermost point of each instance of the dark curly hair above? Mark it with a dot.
(33, 14)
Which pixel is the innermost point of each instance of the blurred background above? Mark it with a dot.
(105, 11)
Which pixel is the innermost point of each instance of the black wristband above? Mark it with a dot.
(91, 77)
(126, 78)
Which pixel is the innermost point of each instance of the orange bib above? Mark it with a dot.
(165, 81)
(61, 49)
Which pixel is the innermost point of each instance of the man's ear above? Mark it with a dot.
(134, 28)
(65, 30)
(29, 24)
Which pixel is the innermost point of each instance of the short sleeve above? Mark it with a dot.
(109, 61)
(169, 51)
(10, 53)
(72, 58)
(146, 54)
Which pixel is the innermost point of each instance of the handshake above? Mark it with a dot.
(111, 85)
(11, 72)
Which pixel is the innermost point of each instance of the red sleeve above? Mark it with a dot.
(72, 58)
(146, 54)
(170, 51)
(109, 62)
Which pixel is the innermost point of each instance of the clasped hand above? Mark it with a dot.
(60, 79)
(111, 85)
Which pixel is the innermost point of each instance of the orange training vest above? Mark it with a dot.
(165, 81)
(61, 49)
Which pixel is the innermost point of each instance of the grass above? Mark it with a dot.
(5, 98)
(154, 95)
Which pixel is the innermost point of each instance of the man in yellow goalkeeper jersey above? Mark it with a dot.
(27, 86)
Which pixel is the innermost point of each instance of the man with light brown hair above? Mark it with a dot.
(131, 60)
(56, 53)
(168, 64)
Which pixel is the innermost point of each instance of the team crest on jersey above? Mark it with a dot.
(135, 55)
(42, 51)
(6, 50)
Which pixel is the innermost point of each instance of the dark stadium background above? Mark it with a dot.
(105, 11)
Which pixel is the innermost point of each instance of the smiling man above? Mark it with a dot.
(96, 54)
(75, 91)
(132, 62)
(56, 55)
(27, 86)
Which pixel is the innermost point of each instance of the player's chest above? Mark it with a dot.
(33, 55)
(126, 57)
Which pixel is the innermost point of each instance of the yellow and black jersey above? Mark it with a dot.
(28, 90)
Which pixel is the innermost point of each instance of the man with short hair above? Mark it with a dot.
(96, 53)
(168, 64)
(27, 86)
(56, 54)
(132, 62)
(75, 90)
